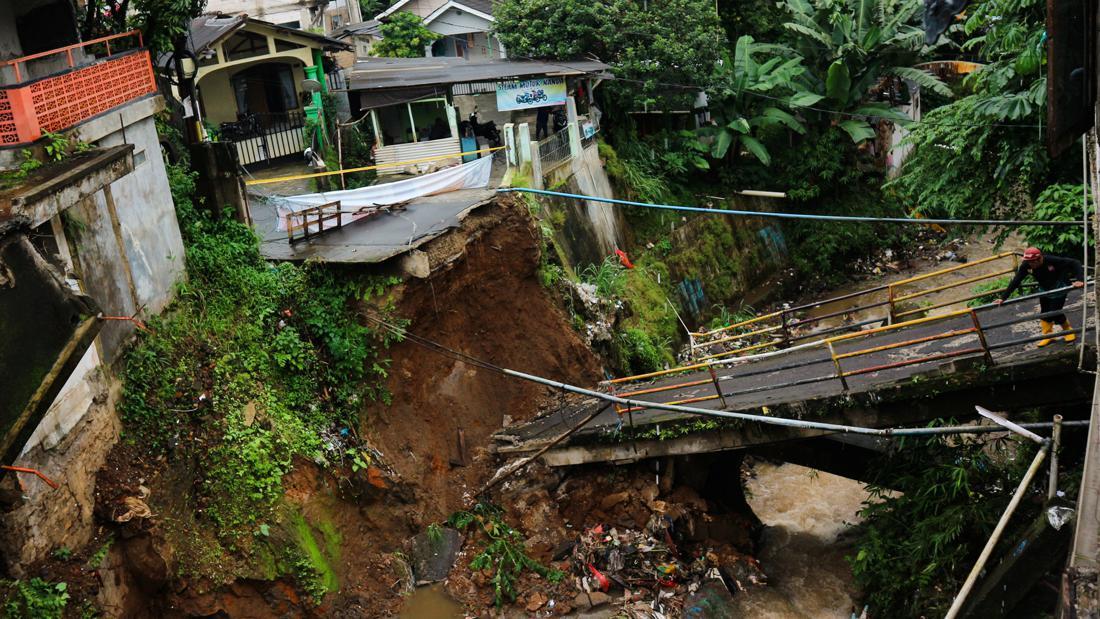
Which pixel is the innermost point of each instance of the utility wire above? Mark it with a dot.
(843, 218)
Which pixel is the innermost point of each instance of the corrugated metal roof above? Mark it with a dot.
(207, 30)
(385, 73)
(367, 27)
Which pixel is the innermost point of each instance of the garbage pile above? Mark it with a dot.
(649, 574)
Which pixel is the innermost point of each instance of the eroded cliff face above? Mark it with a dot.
(153, 551)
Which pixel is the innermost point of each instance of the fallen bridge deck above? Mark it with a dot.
(927, 375)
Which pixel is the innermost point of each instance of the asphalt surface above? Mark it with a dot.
(370, 240)
(754, 384)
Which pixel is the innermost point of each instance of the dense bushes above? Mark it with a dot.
(255, 364)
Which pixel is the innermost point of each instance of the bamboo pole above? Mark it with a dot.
(1056, 443)
(972, 578)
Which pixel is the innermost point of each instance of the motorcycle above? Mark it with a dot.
(535, 96)
(487, 130)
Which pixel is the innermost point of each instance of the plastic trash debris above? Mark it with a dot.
(1058, 516)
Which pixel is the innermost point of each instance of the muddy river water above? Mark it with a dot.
(807, 514)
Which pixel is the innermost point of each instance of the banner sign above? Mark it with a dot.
(525, 94)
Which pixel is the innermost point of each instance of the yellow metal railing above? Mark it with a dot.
(783, 328)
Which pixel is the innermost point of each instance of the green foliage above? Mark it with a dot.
(56, 145)
(64, 553)
(824, 175)
(967, 160)
(356, 143)
(608, 277)
(963, 165)
(33, 599)
(638, 176)
(162, 22)
(1062, 202)
(100, 554)
(638, 352)
(309, 579)
(760, 20)
(404, 36)
(371, 8)
(435, 534)
(29, 163)
(933, 503)
(848, 46)
(503, 552)
(649, 43)
(724, 317)
(257, 359)
(989, 286)
(740, 114)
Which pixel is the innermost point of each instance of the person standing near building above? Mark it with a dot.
(542, 119)
(1051, 273)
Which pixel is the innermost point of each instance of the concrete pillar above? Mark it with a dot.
(523, 143)
(452, 121)
(574, 129)
(510, 144)
(536, 167)
(574, 142)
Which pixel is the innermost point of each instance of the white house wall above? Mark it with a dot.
(457, 21)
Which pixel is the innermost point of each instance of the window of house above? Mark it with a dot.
(245, 45)
(418, 121)
(286, 46)
(395, 124)
(430, 119)
(45, 27)
(337, 21)
(265, 89)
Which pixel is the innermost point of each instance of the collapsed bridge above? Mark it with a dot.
(899, 354)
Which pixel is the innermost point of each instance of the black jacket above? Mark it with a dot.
(1054, 272)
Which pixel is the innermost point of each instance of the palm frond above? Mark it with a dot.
(922, 78)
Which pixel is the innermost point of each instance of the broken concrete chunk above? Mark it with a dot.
(432, 556)
(590, 600)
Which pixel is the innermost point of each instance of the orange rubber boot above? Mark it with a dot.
(1047, 327)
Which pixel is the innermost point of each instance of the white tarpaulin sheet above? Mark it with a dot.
(356, 203)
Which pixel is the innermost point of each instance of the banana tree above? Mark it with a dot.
(848, 46)
(736, 101)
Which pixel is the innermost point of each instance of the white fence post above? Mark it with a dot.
(574, 129)
(536, 166)
(510, 144)
(523, 141)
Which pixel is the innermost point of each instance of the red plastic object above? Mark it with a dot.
(605, 582)
(624, 259)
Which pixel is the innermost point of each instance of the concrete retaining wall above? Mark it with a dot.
(121, 246)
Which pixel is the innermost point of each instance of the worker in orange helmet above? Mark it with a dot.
(1051, 273)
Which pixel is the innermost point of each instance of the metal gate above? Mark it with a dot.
(262, 138)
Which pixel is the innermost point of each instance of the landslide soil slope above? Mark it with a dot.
(483, 298)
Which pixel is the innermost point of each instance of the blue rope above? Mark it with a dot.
(847, 218)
